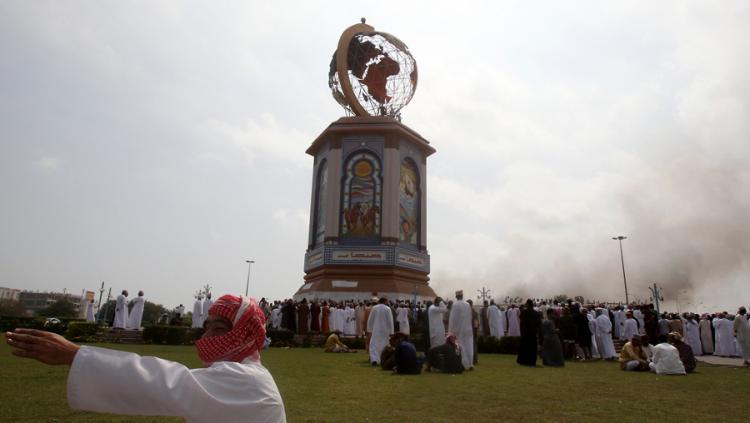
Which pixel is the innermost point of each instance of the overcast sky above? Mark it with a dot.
(158, 145)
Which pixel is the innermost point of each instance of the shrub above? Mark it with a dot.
(171, 335)
(10, 323)
(192, 335)
(504, 345)
(354, 343)
(281, 338)
(82, 331)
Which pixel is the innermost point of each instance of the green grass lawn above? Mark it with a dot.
(319, 387)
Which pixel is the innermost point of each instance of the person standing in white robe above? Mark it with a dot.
(232, 387)
(592, 329)
(435, 315)
(121, 310)
(630, 327)
(460, 324)
(619, 322)
(692, 335)
(207, 303)
(198, 312)
(402, 318)
(350, 328)
(741, 328)
(379, 329)
(724, 336)
(359, 313)
(90, 312)
(514, 325)
(604, 341)
(276, 317)
(638, 315)
(337, 318)
(136, 314)
(497, 320)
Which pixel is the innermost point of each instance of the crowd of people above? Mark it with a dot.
(555, 330)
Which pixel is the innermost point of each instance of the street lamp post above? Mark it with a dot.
(484, 294)
(247, 285)
(619, 238)
(656, 295)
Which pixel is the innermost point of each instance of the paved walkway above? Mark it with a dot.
(720, 361)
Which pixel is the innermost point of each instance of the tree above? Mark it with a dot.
(152, 312)
(61, 308)
(107, 312)
(12, 308)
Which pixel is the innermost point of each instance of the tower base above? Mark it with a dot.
(342, 283)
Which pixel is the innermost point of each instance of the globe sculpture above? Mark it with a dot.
(372, 73)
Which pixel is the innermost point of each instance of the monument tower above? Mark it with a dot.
(368, 234)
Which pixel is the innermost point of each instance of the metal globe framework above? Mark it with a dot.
(380, 73)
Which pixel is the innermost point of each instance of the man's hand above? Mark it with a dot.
(47, 347)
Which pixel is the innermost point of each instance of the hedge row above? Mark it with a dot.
(171, 335)
(504, 345)
(8, 323)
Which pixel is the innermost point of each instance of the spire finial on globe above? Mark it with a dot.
(372, 73)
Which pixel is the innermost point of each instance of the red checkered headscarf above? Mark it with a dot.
(246, 337)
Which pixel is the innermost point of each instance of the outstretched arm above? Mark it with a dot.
(47, 347)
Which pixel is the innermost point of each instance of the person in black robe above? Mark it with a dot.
(529, 329)
(583, 332)
(552, 354)
(474, 331)
(314, 317)
(568, 334)
(289, 316)
(303, 314)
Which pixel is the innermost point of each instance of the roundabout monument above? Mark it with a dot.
(368, 234)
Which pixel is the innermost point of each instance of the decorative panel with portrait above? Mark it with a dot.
(408, 202)
(321, 190)
(361, 197)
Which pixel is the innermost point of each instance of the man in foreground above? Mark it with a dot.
(234, 386)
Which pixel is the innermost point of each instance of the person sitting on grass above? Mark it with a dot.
(632, 357)
(666, 360)
(334, 344)
(405, 358)
(388, 354)
(685, 352)
(233, 387)
(445, 358)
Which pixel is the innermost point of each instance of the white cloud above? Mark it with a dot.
(255, 139)
(47, 164)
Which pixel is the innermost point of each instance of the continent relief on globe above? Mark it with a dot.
(372, 67)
